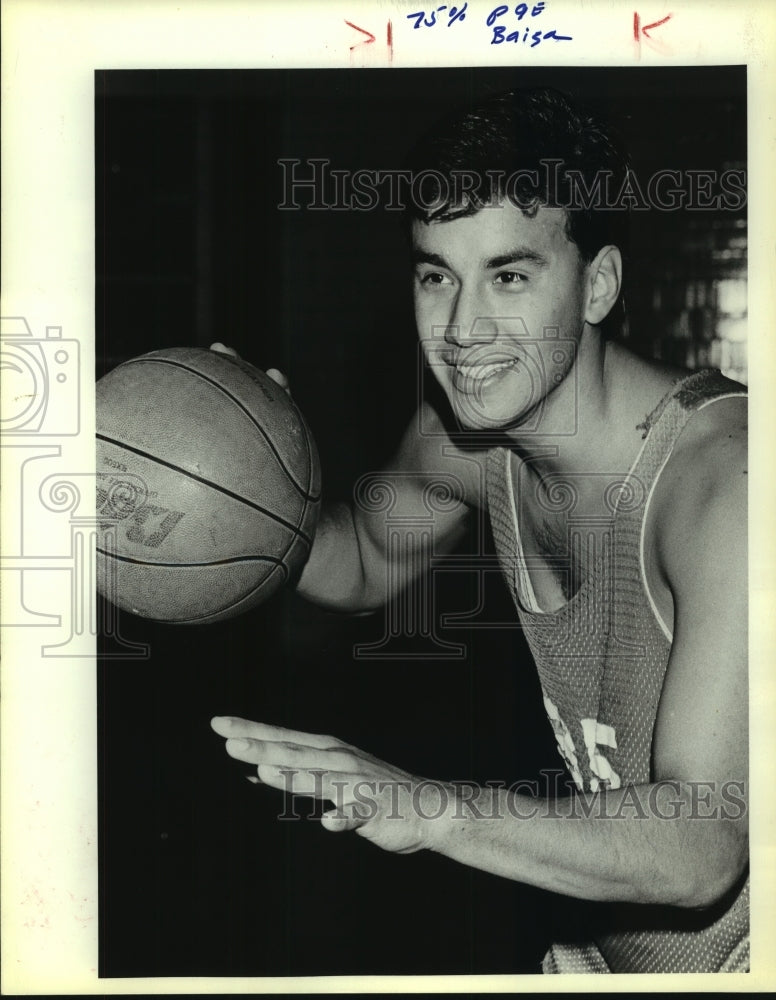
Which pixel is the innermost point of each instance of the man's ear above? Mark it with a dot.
(604, 282)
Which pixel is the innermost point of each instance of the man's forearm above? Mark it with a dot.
(670, 843)
(333, 576)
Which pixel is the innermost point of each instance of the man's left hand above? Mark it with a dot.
(390, 807)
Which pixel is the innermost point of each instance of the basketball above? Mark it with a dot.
(208, 486)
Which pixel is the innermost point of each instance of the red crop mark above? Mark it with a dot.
(656, 24)
(389, 39)
(643, 31)
(369, 39)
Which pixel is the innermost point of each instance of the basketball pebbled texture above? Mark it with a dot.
(208, 486)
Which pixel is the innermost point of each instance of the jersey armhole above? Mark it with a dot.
(667, 632)
(525, 591)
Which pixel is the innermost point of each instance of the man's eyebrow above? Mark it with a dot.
(423, 257)
(519, 255)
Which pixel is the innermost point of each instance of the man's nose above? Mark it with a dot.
(468, 326)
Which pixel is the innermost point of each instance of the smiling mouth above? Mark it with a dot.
(476, 375)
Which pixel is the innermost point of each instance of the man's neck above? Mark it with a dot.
(590, 422)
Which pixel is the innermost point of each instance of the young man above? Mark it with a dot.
(616, 489)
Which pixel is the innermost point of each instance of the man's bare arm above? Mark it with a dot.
(350, 568)
(679, 840)
(683, 838)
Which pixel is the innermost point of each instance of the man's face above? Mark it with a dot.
(499, 306)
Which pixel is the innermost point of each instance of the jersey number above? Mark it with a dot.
(595, 734)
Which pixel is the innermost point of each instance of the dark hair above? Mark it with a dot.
(533, 147)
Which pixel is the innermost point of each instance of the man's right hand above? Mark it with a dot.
(273, 373)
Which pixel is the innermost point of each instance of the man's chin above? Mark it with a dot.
(483, 422)
(475, 419)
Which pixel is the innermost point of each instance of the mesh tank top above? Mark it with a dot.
(601, 660)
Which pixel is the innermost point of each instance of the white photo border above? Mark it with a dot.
(51, 49)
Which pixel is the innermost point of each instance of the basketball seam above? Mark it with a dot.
(204, 621)
(208, 482)
(222, 611)
(196, 565)
(309, 449)
(193, 371)
(279, 564)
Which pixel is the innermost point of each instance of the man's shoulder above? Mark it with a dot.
(700, 496)
(439, 456)
(713, 441)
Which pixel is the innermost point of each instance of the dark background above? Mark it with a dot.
(197, 874)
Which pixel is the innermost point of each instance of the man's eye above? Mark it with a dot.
(434, 278)
(510, 278)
